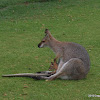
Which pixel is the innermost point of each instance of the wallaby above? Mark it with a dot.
(74, 60)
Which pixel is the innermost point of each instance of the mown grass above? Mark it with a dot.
(22, 25)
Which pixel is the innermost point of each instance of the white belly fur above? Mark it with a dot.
(64, 77)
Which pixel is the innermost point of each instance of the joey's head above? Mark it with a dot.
(51, 66)
(46, 40)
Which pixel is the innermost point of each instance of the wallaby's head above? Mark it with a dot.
(46, 40)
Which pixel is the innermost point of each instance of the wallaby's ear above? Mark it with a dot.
(47, 32)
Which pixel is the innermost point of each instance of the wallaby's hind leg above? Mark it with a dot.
(73, 69)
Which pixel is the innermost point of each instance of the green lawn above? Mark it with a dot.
(22, 25)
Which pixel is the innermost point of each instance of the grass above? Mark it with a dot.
(22, 25)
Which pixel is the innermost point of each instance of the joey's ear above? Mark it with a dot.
(54, 60)
(47, 32)
(51, 63)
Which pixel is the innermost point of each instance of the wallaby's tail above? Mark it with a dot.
(31, 75)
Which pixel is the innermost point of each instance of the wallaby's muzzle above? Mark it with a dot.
(40, 45)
